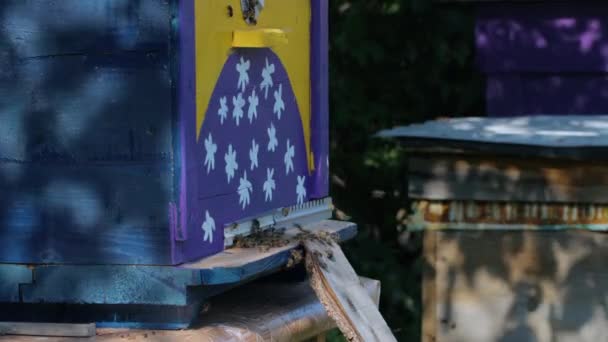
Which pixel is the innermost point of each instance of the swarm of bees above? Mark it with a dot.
(322, 236)
(265, 239)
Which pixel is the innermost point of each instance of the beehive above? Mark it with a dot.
(543, 57)
(514, 213)
(134, 132)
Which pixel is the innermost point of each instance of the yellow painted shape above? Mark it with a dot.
(214, 37)
(263, 38)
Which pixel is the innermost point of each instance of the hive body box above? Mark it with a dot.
(514, 213)
(543, 56)
(132, 132)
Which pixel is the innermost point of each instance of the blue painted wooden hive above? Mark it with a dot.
(104, 155)
(140, 135)
(543, 57)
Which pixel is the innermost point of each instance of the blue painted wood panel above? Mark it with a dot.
(67, 109)
(11, 277)
(34, 28)
(124, 316)
(152, 285)
(85, 213)
(86, 141)
(110, 285)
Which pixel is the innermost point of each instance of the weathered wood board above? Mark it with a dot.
(47, 329)
(515, 286)
(342, 294)
(279, 311)
(487, 178)
(571, 137)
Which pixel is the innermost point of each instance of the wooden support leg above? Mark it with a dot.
(429, 290)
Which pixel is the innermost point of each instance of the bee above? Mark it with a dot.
(255, 227)
(295, 258)
(249, 8)
(206, 307)
(300, 227)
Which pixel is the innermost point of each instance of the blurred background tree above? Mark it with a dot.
(392, 62)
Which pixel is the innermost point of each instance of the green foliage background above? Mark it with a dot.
(392, 62)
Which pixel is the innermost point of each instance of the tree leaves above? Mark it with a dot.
(392, 62)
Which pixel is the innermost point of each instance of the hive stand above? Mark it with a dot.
(136, 296)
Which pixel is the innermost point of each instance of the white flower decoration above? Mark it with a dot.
(210, 149)
(269, 184)
(300, 189)
(272, 138)
(267, 82)
(253, 154)
(252, 112)
(245, 189)
(239, 103)
(223, 111)
(288, 159)
(243, 69)
(208, 227)
(231, 164)
(279, 105)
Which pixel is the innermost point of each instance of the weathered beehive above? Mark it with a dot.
(514, 212)
(133, 132)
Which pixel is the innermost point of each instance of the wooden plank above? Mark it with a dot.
(124, 316)
(487, 178)
(279, 311)
(39, 28)
(429, 288)
(519, 286)
(87, 213)
(339, 289)
(47, 329)
(158, 285)
(110, 285)
(11, 278)
(472, 215)
(70, 109)
(548, 136)
(238, 264)
(86, 158)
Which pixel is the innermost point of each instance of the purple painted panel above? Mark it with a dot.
(251, 153)
(319, 187)
(210, 196)
(545, 36)
(504, 95)
(530, 94)
(188, 180)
